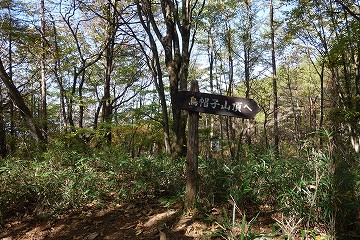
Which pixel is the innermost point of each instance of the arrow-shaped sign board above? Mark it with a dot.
(217, 104)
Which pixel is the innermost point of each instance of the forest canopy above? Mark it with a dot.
(99, 75)
(67, 65)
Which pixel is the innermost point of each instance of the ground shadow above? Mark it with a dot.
(130, 221)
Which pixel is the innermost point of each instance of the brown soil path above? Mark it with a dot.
(141, 220)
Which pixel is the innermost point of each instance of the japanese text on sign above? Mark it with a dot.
(215, 103)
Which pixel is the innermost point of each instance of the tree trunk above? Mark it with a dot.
(192, 155)
(43, 73)
(106, 116)
(107, 109)
(71, 101)
(109, 65)
(229, 121)
(59, 80)
(81, 101)
(161, 93)
(20, 103)
(321, 122)
(247, 67)
(177, 47)
(274, 78)
(173, 62)
(155, 66)
(211, 55)
(3, 150)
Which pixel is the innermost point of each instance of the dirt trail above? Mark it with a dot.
(141, 220)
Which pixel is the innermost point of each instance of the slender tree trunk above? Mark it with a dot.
(247, 50)
(12, 112)
(12, 145)
(230, 59)
(107, 96)
(159, 84)
(43, 72)
(312, 113)
(20, 103)
(274, 77)
(81, 100)
(12, 118)
(3, 150)
(229, 121)
(321, 122)
(296, 134)
(211, 56)
(71, 100)
(155, 66)
(161, 93)
(59, 80)
(109, 64)
(266, 117)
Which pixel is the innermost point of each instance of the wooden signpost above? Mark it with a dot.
(192, 153)
(194, 102)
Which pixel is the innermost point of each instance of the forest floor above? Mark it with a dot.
(141, 219)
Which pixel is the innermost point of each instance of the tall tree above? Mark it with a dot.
(154, 63)
(208, 40)
(112, 25)
(16, 97)
(180, 20)
(85, 58)
(331, 28)
(9, 24)
(250, 58)
(248, 43)
(274, 78)
(59, 79)
(14, 29)
(43, 71)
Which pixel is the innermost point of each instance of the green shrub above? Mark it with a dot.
(44, 186)
(298, 186)
(64, 177)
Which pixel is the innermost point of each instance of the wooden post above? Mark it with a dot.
(192, 155)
